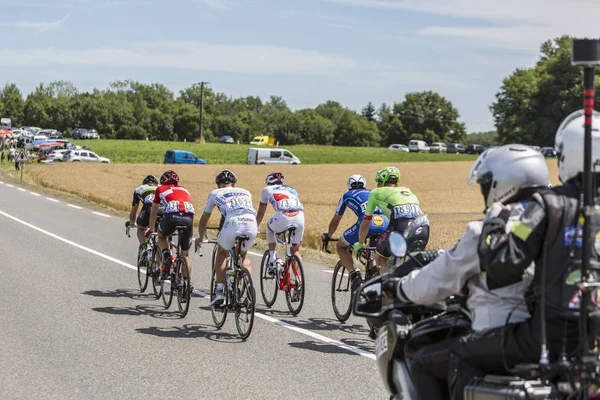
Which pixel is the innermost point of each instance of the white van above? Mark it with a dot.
(271, 156)
(418, 146)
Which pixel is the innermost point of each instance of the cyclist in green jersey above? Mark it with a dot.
(401, 206)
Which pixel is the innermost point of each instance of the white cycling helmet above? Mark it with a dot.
(356, 182)
(502, 172)
(568, 144)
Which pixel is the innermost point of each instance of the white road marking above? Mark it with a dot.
(22, 190)
(9, 185)
(1, 183)
(35, 194)
(283, 324)
(51, 199)
(74, 206)
(328, 271)
(100, 214)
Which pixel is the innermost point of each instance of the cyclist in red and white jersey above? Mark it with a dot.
(178, 211)
(289, 212)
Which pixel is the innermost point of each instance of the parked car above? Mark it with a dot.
(456, 148)
(83, 156)
(31, 129)
(474, 149)
(50, 133)
(226, 139)
(56, 155)
(418, 146)
(271, 156)
(93, 134)
(77, 132)
(438, 147)
(17, 132)
(399, 147)
(537, 148)
(182, 157)
(548, 151)
(33, 142)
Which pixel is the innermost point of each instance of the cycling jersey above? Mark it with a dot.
(355, 200)
(281, 197)
(174, 199)
(143, 194)
(230, 201)
(394, 202)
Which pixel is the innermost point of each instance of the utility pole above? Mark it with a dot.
(201, 138)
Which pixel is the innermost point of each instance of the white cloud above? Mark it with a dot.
(513, 24)
(36, 26)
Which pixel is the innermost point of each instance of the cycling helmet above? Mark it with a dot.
(170, 177)
(225, 177)
(503, 172)
(356, 182)
(274, 178)
(568, 144)
(150, 180)
(388, 175)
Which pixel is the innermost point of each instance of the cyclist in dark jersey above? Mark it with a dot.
(145, 195)
(401, 206)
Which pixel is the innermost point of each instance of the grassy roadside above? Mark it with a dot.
(152, 152)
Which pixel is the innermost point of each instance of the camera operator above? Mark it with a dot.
(549, 233)
(508, 174)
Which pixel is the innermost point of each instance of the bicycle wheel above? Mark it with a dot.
(156, 284)
(168, 287)
(341, 292)
(296, 285)
(245, 302)
(183, 285)
(142, 268)
(214, 254)
(219, 314)
(268, 283)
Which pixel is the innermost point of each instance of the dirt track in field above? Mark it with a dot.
(440, 186)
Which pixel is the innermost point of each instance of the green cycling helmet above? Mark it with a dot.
(388, 175)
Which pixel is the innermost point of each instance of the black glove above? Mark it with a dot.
(127, 224)
(325, 237)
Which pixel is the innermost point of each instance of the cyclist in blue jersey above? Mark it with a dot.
(356, 200)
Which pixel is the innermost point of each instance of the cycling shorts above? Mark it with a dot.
(418, 242)
(282, 220)
(234, 226)
(379, 224)
(168, 223)
(143, 218)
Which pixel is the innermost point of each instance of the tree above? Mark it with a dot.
(369, 112)
(12, 104)
(431, 116)
(487, 139)
(532, 102)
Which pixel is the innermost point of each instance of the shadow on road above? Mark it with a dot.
(192, 331)
(125, 293)
(321, 347)
(154, 311)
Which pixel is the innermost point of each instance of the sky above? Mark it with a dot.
(307, 51)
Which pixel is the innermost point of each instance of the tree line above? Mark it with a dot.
(134, 110)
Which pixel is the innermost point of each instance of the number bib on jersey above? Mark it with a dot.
(174, 207)
(406, 211)
(289, 205)
(237, 203)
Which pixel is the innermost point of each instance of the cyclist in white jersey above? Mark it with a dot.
(235, 205)
(289, 212)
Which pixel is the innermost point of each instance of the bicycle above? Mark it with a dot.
(179, 276)
(294, 287)
(341, 284)
(238, 284)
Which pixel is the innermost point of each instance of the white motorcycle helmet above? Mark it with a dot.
(356, 182)
(502, 172)
(569, 145)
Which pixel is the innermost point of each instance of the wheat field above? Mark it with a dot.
(441, 187)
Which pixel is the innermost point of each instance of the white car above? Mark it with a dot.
(57, 155)
(399, 147)
(83, 156)
(418, 146)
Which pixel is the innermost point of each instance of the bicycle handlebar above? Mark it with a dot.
(325, 246)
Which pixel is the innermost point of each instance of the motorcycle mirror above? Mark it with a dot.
(398, 245)
(368, 300)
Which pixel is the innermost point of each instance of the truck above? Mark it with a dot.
(271, 156)
(263, 141)
(5, 126)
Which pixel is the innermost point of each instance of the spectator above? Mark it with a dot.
(2, 157)
(11, 154)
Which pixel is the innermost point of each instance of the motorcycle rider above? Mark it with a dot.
(549, 229)
(507, 174)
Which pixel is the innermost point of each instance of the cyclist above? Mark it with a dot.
(289, 212)
(178, 211)
(235, 205)
(143, 194)
(356, 199)
(401, 206)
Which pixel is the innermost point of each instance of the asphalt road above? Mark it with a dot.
(74, 324)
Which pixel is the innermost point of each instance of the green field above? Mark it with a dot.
(139, 151)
